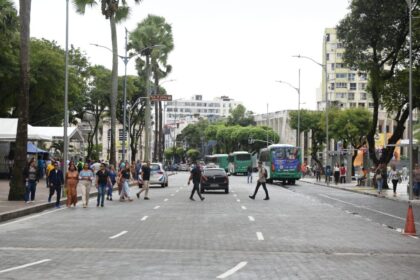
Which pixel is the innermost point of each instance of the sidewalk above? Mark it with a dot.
(15, 209)
(401, 194)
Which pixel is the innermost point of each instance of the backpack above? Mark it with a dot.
(265, 173)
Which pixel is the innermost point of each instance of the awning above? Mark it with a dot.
(32, 149)
(8, 129)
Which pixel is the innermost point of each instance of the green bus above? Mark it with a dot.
(283, 162)
(220, 159)
(239, 162)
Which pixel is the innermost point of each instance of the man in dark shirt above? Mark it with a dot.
(55, 181)
(102, 179)
(196, 177)
(145, 176)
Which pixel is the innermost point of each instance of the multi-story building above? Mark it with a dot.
(181, 112)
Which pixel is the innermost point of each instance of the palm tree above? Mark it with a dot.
(113, 12)
(154, 31)
(17, 188)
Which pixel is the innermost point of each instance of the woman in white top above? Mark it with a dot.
(86, 177)
(394, 175)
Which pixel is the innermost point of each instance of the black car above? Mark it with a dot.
(217, 179)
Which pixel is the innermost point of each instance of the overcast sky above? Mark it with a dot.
(236, 48)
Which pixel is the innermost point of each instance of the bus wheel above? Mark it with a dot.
(270, 181)
(284, 182)
(293, 182)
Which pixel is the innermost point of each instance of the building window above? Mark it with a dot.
(327, 37)
(362, 77)
(353, 86)
(362, 105)
(332, 66)
(341, 85)
(340, 45)
(363, 96)
(371, 105)
(339, 55)
(352, 105)
(341, 75)
(340, 95)
(332, 86)
(352, 76)
(362, 86)
(339, 65)
(351, 96)
(328, 56)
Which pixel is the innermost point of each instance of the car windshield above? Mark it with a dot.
(243, 157)
(154, 167)
(214, 172)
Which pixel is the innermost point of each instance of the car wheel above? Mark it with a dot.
(162, 185)
(227, 190)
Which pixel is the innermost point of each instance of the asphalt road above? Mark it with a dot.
(304, 232)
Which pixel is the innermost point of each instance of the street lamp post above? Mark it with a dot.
(66, 93)
(298, 91)
(324, 66)
(126, 59)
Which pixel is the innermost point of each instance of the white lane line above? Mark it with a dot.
(118, 235)
(235, 195)
(172, 194)
(25, 265)
(364, 207)
(165, 199)
(32, 217)
(232, 270)
(144, 218)
(243, 207)
(238, 200)
(156, 207)
(251, 218)
(177, 190)
(260, 235)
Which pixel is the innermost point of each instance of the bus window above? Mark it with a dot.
(243, 157)
(264, 155)
(230, 159)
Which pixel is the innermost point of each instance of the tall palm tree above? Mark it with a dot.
(17, 188)
(114, 12)
(154, 31)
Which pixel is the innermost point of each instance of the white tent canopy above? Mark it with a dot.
(57, 132)
(8, 129)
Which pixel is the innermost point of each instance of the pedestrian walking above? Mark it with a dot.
(343, 172)
(249, 173)
(395, 177)
(196, 176)
(72, 179)
(102, 180)
(379, 178)
(262, 176)
(145, 181)
(56, 181)
(86, 177)
(31, 174)
(416, 180)
(317, 172)
(112, 176)
(336, 173)
(50, 166)
(124, 179)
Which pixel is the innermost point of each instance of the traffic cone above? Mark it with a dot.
(410, 228)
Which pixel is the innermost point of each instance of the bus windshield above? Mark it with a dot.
(210, 159)
(243, 157)
(285, 153)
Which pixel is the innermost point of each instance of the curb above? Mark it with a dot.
(6, 216)
(361, 192)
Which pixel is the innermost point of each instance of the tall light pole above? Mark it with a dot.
(324, 67)
(410, 103)
(66, 93)
(298, 91)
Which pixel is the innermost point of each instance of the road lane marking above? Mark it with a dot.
(118, 235)
(251, 218)
(235, 195)
(260, 236)
(232, 270)
(144, 218)
(165, 199)
(364, 207)
(238, 200)
(25, 265)
(243, 207)
(156, 207)
(172, 194)
(177, 190)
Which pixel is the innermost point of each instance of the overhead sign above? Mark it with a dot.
(161, 98)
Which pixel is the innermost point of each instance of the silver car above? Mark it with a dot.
(158, 175)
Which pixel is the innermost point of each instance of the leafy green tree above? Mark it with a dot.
(193, 154)
(114, 12)
(154, 31)
(9, 56)
(374, 35)
(240, 116)
(17, 188)
(193, 135)
(351, 127)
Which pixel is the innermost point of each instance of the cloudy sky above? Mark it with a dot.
(236, 48)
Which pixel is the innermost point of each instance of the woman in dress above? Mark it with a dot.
(72, 179)
(86, 177)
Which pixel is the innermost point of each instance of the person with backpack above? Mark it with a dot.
(196, 176)
(262, 176)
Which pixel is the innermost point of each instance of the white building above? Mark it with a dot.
(280, 122)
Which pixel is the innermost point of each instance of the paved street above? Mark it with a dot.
(303, 232)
